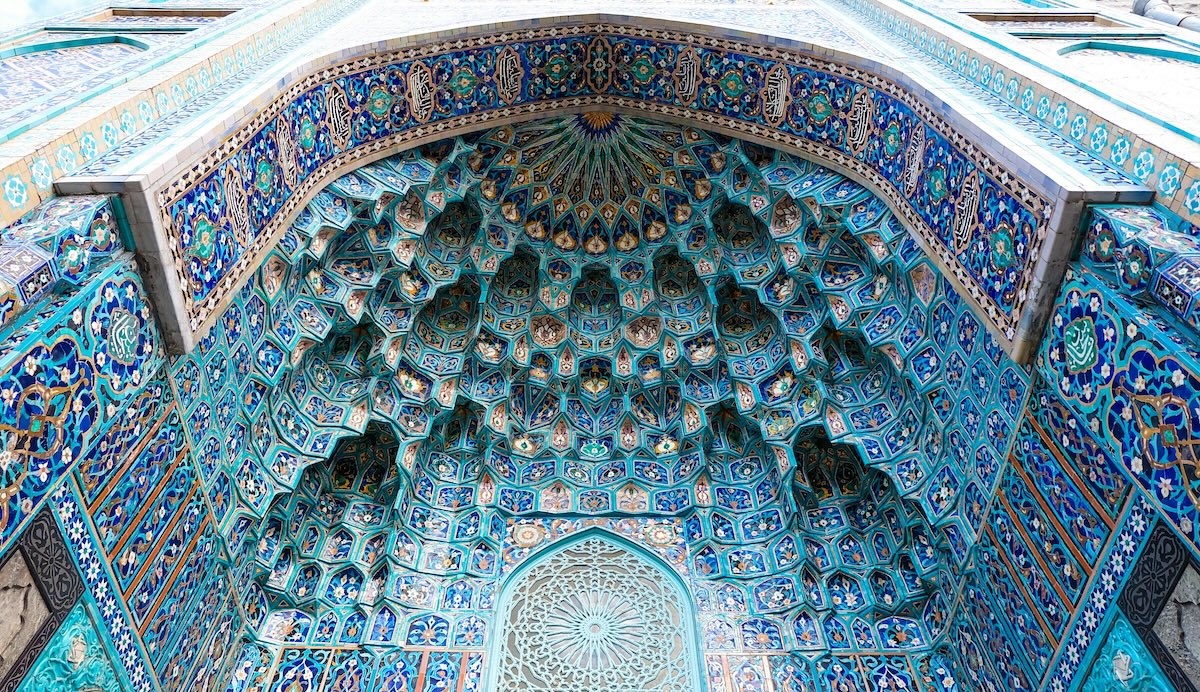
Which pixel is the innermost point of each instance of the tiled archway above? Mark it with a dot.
(594, 614)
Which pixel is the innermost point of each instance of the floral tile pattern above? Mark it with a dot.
(471, 384)
(985, 227)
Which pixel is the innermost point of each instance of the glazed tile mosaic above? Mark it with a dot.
(712, 395)
(103, 110)
(824, 108)
(594, 356)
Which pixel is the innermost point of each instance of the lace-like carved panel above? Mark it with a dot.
(595, 617)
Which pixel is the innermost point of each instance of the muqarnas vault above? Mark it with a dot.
(414, 347)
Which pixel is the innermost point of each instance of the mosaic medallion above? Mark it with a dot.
(594, 616)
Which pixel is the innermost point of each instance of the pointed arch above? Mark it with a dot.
(596, 612)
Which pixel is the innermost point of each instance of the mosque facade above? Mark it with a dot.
(465, 346)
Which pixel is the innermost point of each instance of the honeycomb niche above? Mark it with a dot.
(462, 346)
(732, 358)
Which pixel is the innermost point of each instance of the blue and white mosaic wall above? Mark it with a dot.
(723, 341)
(459, 357)
(987, 224)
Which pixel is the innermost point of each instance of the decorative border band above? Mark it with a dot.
(982, 222)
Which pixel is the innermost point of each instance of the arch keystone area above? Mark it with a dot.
(605, 348)
(222, 199)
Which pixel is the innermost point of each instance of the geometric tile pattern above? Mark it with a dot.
(991, 657)
(91, 429)
(1109, 412)
(456, 351)
(68, 366)
(100, 587)
(1052, 520)
(462, 361)
(329, 465)
(1098, 608)
(619, 333)
(228, 208)
(594, 616)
